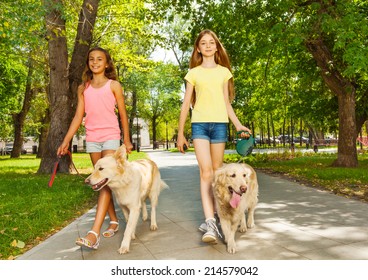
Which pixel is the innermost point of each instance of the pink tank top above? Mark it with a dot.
(101, 121)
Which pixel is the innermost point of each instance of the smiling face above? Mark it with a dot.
(103, 172)
(97, 61)
(108, 169)
(207, 45)
(231, 183)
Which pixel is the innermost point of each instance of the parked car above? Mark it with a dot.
(283, 138)
(297, 139)
(9, 148)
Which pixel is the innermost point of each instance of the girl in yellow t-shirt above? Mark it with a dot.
(210, 90)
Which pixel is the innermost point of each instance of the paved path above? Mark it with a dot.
(293, 222)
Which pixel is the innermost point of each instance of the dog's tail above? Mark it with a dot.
(163, 185)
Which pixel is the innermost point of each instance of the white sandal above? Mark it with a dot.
(111, 232)
(88, 243)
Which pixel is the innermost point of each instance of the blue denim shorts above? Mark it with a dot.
(97, 147)
(213, 132)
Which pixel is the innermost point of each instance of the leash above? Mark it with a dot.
(56, 165)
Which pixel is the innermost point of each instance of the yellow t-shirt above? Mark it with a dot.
(209, 86)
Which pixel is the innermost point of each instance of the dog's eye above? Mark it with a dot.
(100, 169)
(233, 175)
(244, 175)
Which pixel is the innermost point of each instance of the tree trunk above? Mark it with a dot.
(58, 92)
(133, 115)
(154, 127)
(268, 131)
(345, 92)
(301, 133)
(83, 40)
(43, 134)
(283, 132)
(273, 131)
(63, 83)
(20, 117)
(347, 151)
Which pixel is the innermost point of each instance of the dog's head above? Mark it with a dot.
(107, 168)
(232, 181)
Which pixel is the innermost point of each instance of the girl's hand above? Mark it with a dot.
(128, 146)
(181, 141)
(244, 129)
(63, 149)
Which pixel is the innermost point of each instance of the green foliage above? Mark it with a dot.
(21, 44)
(274, 72)
(158, 92)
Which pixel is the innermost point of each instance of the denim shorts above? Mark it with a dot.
(97, 147)
(213, 132)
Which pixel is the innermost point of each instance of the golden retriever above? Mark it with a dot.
(235, 190)
(132, 183)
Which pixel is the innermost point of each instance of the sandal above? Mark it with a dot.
(88, 243)
(111, 232)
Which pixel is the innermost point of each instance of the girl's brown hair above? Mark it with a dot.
(110, 71)
(221, 58)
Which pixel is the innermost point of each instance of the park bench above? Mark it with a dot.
(323, 143)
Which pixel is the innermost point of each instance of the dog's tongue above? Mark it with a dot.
(235, 200)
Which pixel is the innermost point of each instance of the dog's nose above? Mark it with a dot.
(86, 180)
(243, 189)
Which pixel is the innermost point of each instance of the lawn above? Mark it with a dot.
(30, 211)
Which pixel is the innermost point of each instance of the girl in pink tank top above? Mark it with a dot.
(98, 97)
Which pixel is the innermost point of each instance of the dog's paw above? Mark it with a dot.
(231, 249)
(123, 250)
(133, 236)
(144, 215)
(242, 229)
(153, 227)
(250, 224)
(250, 221)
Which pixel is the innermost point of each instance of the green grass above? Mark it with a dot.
(314, 170)
(30, 211)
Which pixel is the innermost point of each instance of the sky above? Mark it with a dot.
(163, 55)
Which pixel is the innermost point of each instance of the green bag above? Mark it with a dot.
(244, 146)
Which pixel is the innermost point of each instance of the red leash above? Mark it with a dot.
(56, 165)
(53, 174)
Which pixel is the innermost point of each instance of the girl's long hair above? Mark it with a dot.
(110, 71)
(221, 58)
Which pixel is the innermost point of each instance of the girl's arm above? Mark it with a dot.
(183, 117)
(231, 113)
(119, 96)
(76, 122)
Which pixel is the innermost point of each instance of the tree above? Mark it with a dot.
(20, 117)
(159, 98)
(21, 65)
(64, 78)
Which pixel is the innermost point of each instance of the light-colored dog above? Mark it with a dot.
(132, 183)
(235, 190)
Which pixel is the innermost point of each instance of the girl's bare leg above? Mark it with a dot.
(105, 204)
(209, 157)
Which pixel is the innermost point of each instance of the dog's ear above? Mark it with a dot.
(252, 176)
(220, 176)
(120, 155)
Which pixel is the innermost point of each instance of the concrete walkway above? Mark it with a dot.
(293, 222)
